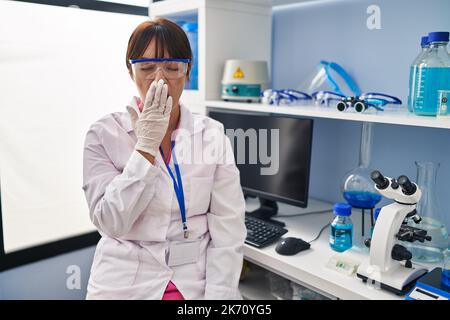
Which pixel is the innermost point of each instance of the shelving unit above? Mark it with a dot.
(248, 21)
(400, 117)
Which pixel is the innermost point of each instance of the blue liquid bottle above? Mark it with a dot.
(432, 74)
(413, 72)
(191, 29)
(341, 229)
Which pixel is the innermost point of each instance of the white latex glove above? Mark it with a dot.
(151, 124)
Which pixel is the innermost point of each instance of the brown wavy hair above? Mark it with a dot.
(168, 37)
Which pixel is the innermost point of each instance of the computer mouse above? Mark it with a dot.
(290, 246)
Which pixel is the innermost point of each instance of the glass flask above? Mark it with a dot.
(432, 217)
(445, 279)
(359, 189)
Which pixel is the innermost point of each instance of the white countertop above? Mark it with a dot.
(308, 268)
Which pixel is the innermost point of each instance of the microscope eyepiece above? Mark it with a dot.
(407, 186)
(379, 179)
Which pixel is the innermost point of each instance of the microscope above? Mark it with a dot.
(385, 266)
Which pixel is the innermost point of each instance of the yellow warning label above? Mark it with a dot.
(238, 74)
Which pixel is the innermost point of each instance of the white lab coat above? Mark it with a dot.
(134, 207)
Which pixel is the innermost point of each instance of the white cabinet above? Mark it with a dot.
(227, 29)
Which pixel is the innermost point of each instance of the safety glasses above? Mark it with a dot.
(326, 98)
(367, 100)
(146, 68)
(284, 97)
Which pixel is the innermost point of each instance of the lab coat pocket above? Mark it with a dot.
(199, 195)
(115, 264)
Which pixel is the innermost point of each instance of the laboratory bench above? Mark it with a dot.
(308, 268)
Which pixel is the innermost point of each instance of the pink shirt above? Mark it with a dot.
(172, 293)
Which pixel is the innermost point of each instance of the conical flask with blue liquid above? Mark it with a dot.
(358, 188)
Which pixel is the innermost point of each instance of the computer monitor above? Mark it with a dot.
(279, 171)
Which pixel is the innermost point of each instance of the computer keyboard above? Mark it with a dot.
(261, 233)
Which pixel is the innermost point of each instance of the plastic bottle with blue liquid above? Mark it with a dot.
(341, 229)
(191, 29)
(424, 43)
(431, 75)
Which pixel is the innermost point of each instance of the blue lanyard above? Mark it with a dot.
(178, 187)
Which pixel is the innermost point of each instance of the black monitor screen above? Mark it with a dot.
(272, 153)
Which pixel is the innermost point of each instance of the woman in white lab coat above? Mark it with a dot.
(162, 186)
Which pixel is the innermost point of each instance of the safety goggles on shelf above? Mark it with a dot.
(284, 96)
(147, 68)
(367, 100)
(325, 98)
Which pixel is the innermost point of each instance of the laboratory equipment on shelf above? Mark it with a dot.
(384, 266)
(430, 287)
(367, 100)
(341, 229)
(244, 80)
(431, 75)
(285, 97)
(326, 98)
(330, 76)
(443, 107)
(433, 216)
(412, 72)
(357, 188)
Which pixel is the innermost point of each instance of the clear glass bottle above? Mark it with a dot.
(341, 229)
(432, 217)
(432, 74)
(413, 72)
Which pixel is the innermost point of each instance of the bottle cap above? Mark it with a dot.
(424, 41)
(438, 36)
(342, 209)
(377, 213)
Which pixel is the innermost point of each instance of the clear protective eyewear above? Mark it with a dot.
(284, 97)
(147, 68)
(326, 98)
